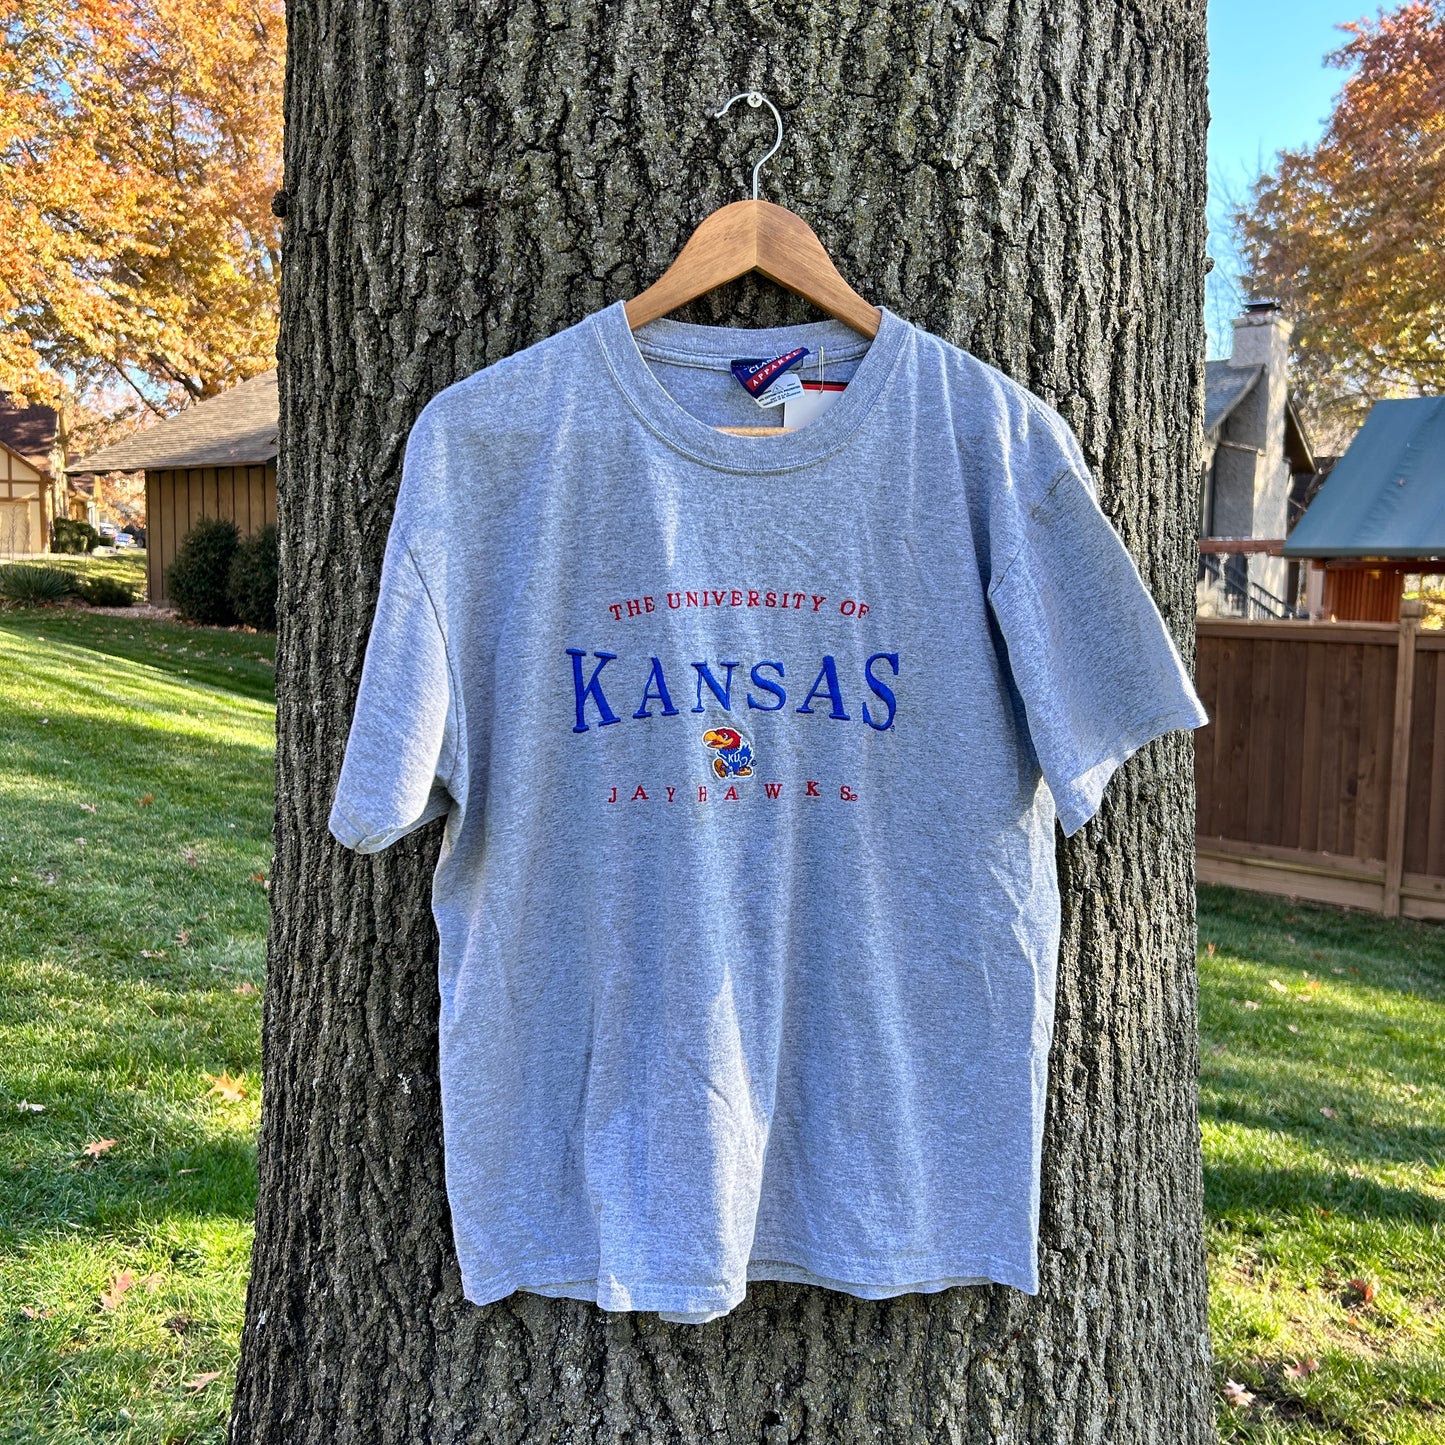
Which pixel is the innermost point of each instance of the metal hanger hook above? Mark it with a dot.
(755, 98)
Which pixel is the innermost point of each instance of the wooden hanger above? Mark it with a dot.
(748, 236)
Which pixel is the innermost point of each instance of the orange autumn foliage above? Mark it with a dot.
(140, 146)
(1348, 234)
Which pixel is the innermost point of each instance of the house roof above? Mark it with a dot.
(29, 431)
(237, 428)
(1225, 386)
(1386, 496)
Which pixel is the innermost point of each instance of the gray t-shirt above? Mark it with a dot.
(750, 750)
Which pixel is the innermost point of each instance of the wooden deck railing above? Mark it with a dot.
(1321, 773)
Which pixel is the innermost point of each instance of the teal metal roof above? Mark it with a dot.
(1386, 495)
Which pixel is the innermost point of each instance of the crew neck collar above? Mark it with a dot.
(714, 347)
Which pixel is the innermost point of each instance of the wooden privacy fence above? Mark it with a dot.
(1321, 773)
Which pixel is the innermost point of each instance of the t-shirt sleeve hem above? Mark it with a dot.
(1078, 801)
(363, 838)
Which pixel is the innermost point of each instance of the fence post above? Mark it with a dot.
(1411, 610)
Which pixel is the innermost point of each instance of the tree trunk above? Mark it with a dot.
(1025, 179)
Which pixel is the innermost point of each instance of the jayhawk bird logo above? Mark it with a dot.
(734, 753)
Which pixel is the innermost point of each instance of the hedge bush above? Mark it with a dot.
(105, 591)
(68, 535)
(198, 578)
(253, 581)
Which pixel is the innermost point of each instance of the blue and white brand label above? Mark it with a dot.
(758, 374)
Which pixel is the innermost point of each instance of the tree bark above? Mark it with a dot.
(1022, 177)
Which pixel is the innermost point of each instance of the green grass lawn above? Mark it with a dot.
(130, 970)
(135, 816)
(128, 566)
(1322, 1095)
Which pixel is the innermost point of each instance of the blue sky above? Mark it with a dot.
(1269, 89)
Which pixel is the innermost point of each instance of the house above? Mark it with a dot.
(1379, 516)
(215, 459)
(31, 460)
(1258, 468)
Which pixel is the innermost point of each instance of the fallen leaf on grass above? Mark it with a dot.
(88, 807)
(145, 800)
(152, 953)
(231, 1090)
(1328, 1112)
(26, 1107)
(189, 854)
(1277, 986)
(1408, 1088)
(1293, 1028)
(1290, 918)
(179, 1324)
(111, 1297)
(1237, 1395)
(245, 989)
(1209, 949)
(1302, 1369)
(199, 1382)
(31, 1312)
(183, 937)
(1364, 1289)
(1250, 1003)
(97, 1147)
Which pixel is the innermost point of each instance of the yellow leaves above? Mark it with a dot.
(232, 1091)
(142, 144)
(1347, 232)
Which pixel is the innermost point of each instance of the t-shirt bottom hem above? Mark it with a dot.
(698, 1304)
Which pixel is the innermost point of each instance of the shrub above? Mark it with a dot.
(30, 582)
(253, 581)
(105, 591)
(198, 577)
(68, 535)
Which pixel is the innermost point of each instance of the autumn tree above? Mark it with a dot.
(1348, 233)
(461, 181)
(140, 145)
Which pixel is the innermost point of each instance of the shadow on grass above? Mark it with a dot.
(210, 1177)
(229, 660)
(1231, 1188)
(1398, 953)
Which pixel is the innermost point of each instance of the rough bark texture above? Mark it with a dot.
(1022, 177)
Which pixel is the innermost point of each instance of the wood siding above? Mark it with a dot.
(177, 500)
(1321, 772)
(24, 525)
(1364, 594)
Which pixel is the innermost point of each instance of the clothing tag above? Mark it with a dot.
(784, 389)
(813, 399)
(758, 374)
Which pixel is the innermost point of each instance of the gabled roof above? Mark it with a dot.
(1225, 386)
(1386, 496)
(29, 431)
(237, 428)
(21, 459)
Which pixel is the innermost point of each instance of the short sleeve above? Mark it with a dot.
(1090, 654)
(403, 742)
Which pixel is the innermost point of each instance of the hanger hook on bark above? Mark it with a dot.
(755, 98)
